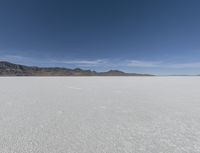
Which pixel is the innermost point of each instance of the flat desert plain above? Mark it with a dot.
(100, 114)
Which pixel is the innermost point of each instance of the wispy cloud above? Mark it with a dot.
(107, 63)
(138, 63)
(24, 60)
(160, 64)
(11, 57)
(112, 63)
(97, 62)
(184, 65)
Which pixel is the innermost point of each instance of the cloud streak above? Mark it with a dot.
(109, 63)
(137, 63)
(129, 63)
(159, 64)
(97, 62)
(184, 65)
(11, 57)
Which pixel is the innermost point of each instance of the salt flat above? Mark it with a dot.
(100, 115)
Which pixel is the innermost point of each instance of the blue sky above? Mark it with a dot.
(157, 36)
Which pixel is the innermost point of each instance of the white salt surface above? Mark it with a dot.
(100, 115)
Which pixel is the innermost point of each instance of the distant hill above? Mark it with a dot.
(10, 69)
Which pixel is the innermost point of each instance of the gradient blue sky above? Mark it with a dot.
(145, 36)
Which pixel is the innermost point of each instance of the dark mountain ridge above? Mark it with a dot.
(10, 69)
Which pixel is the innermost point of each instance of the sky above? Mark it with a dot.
(143, 36)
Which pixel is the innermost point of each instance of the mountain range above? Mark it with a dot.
(11, 69)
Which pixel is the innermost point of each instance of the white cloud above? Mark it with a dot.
(97, 62)
(109, 63)
(138, 63)
(83, 62)
(184, 65)
(159, 64)
(11, 57)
